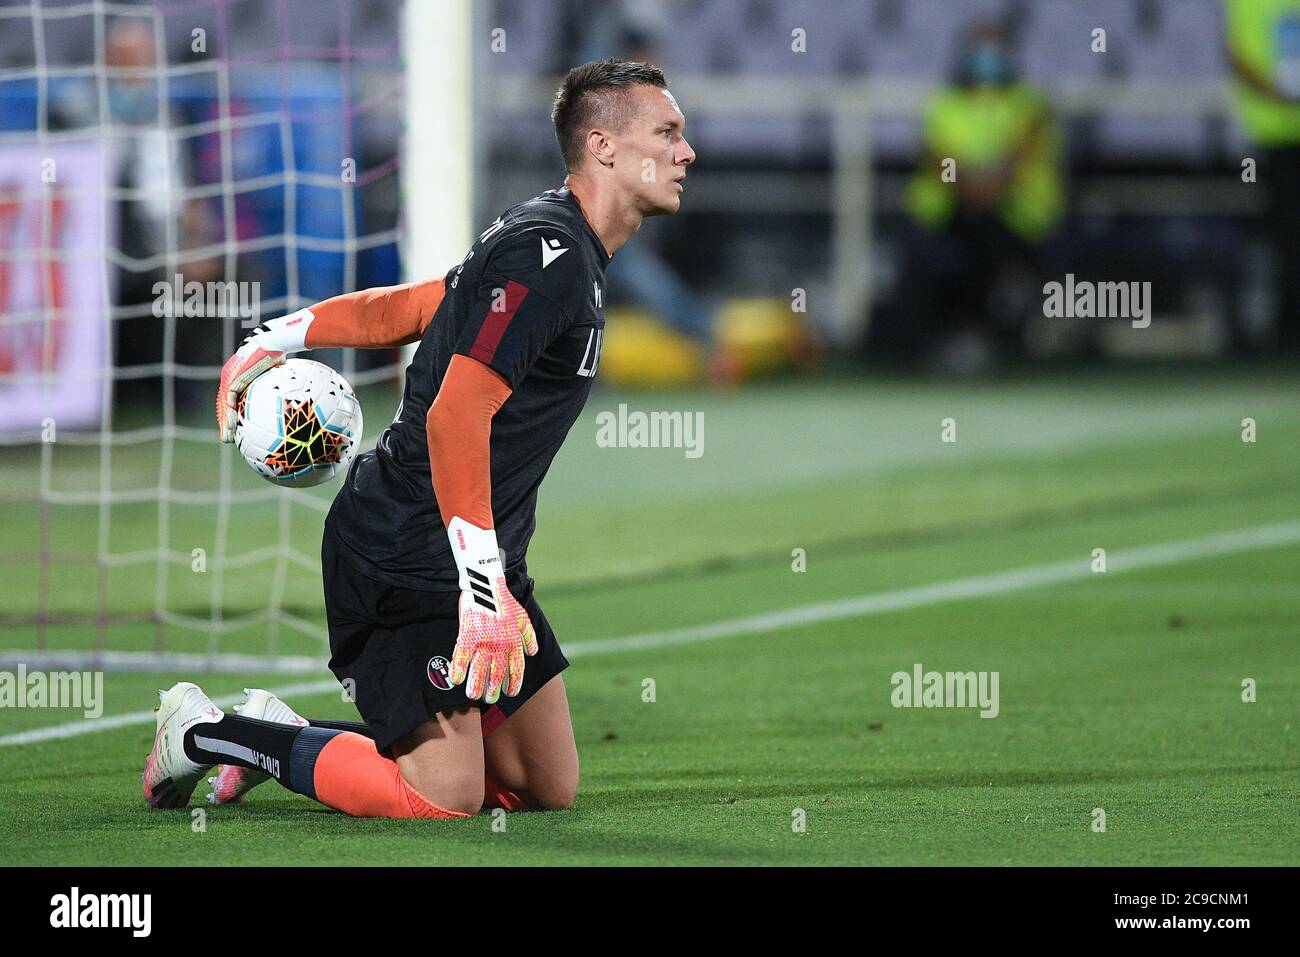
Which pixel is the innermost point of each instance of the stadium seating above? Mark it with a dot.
(915, 39)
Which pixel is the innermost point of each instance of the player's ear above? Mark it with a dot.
(601, 147)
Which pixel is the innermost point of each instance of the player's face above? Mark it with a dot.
(660, 154)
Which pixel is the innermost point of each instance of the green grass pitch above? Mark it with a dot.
(1120, 691)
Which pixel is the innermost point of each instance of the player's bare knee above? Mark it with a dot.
(460, 793)
(461, 797)
(466, 801)
(556, 792)
(557, 801)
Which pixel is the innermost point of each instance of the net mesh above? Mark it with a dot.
(170, 173)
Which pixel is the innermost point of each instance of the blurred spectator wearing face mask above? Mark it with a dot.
(1264, 46)
(987, 193)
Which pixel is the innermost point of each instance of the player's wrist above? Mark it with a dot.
(479, 565)
(284, 334)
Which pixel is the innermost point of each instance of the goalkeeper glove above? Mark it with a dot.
(265, 348)
(495, 632)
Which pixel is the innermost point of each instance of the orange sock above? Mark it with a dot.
(352, 776)
(494, 795)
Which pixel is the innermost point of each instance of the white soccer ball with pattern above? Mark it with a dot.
(299, 424)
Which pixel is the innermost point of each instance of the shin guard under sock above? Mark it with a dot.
(285, 752)
(337, 768)
(494, 795)
(349, 774)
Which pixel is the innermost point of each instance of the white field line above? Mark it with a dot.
(978, 586)
(76, 728)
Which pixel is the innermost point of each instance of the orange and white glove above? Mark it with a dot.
(495, 632)
(265, 348)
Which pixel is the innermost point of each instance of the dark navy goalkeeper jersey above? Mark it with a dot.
(526, 301)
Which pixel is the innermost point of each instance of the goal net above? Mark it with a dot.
(170, 174)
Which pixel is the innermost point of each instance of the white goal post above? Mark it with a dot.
(438, 156)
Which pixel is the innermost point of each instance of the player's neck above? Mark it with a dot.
(613, 221)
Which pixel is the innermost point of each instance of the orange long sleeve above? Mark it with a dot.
(459, 431)
(379, 318)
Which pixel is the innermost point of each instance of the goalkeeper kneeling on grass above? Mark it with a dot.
(433, 626)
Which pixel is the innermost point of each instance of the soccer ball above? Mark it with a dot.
(299, 424)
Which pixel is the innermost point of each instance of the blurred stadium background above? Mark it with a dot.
(305, 147)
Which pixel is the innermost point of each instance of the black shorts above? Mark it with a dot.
(391, 647)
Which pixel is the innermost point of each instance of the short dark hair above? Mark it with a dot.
(591, 95)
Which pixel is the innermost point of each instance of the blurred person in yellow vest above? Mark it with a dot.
(1264, 48)
(987, 193)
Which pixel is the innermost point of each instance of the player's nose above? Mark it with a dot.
(685, 155)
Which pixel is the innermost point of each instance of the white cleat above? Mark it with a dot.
(169, 775)
(231, 782)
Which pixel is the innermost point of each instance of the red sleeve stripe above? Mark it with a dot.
(495, 323)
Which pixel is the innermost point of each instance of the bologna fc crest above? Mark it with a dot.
(440, 673)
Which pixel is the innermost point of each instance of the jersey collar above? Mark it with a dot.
(567, 196)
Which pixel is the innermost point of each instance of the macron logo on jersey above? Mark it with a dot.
(551, 251)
